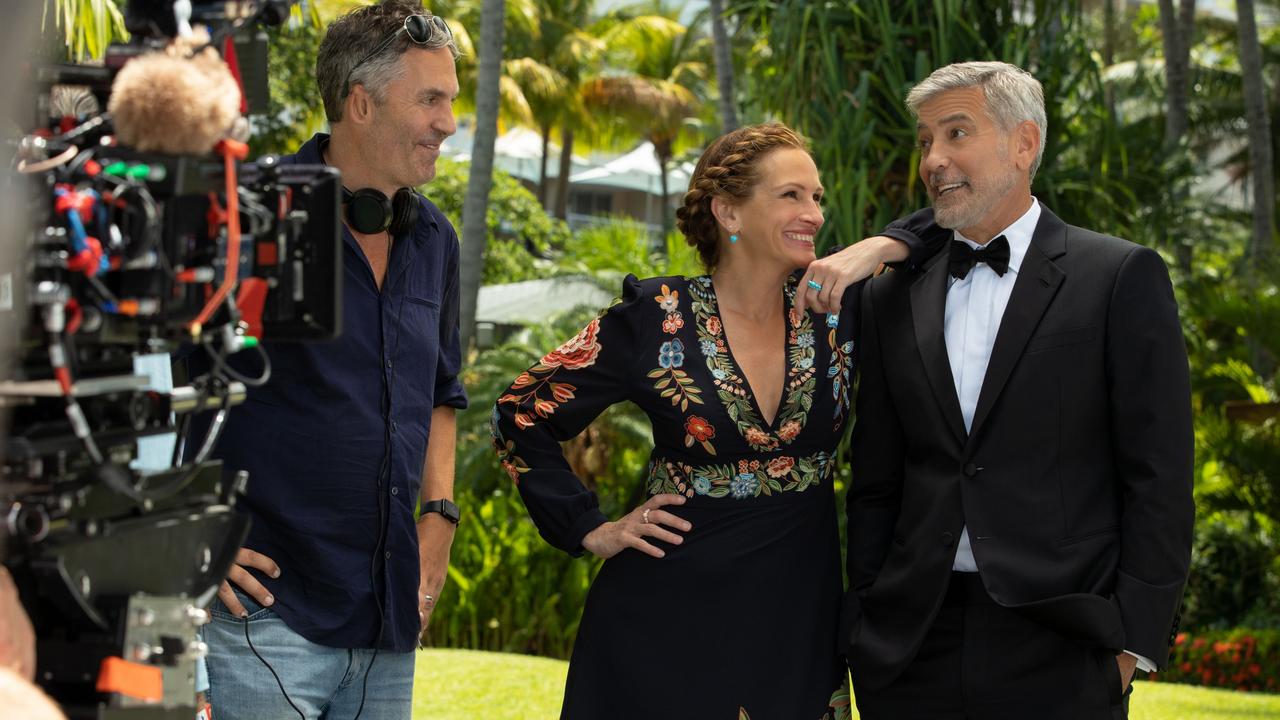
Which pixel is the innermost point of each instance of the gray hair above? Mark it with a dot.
(354, 35)
(1013, 95)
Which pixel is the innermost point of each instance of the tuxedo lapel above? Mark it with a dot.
(1038, 281)
(928, 307)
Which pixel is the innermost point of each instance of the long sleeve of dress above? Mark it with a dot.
(555, 400)
(923, 236)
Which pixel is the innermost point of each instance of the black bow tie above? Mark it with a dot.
(963, 257)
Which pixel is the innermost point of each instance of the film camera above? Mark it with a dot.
(133, 253)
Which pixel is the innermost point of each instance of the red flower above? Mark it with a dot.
(673, 323)
(713, 325)
(781, 466)
(699, 428)
(579, 352)
(758, 438)
(789, 430)
(511, 471)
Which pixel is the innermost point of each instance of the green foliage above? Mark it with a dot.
(1236, 659)
(1233, 579)
(620, 246)
(517, 223)
(294, 110)
(839, 71)
(508, 589)
(88, 26)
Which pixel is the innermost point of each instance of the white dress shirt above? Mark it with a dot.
(975, 306)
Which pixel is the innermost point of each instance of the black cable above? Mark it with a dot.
(273, 670)
(364, 686)
(221, 368)
(383, 472)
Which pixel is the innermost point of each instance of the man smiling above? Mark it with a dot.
(1020, 511)
(349, 438)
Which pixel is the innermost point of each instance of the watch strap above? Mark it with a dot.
(446, 508)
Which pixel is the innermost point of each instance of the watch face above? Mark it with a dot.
(445, 508)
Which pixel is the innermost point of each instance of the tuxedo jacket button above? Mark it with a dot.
(947, 539)
(970, 469)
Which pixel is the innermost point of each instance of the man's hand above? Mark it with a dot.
(1128, 665)
(17, 637)
(247, 558)
(837, 272)
(435, 537)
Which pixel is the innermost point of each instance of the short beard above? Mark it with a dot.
(985, 197)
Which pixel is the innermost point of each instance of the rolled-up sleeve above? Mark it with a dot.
(449, 390)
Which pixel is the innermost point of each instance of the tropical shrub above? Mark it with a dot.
(1237, 659)
(508, 589)
(521, 234)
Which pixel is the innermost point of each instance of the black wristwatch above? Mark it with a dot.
(444, 507)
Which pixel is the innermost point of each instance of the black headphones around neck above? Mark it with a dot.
(369, 211)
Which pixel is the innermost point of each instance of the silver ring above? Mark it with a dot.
(644, 516)
(427, 599)
(815, 284)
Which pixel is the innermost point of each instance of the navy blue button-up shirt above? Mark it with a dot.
(334, 444)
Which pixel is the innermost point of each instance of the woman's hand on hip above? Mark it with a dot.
(647, 521)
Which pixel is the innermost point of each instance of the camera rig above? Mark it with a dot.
(116, 546)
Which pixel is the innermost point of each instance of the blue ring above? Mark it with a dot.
(815, 285)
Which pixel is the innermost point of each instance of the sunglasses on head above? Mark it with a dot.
(419, 28)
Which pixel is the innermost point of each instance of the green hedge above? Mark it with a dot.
(1246, 660)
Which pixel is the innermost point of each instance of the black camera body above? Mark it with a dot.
(117, 545)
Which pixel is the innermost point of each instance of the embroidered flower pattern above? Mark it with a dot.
(839, 373)
(578, 352)
(732, 387)
(669, 300)
(744, 479)
(527, 392)
(780, 466)
(697, 429)
(506, 450)
(671, 354)
(670, 379)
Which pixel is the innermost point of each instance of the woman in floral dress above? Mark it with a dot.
(720, 594)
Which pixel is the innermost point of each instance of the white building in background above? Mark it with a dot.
(600, 186)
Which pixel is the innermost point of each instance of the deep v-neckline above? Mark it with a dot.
(752, 395)
(736, 394)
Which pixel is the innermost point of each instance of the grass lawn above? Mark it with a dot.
(465, 684)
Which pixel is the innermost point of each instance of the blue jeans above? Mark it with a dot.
(324, 683)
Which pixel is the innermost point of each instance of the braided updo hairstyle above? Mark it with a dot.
(728, 169)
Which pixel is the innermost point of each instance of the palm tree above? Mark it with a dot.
(724, 68)
(1177, 35)
(1260, 151)
(658, 76)
(464, 18)
(548, 67)
(473, 208)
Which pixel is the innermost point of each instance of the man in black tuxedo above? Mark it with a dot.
(1020, 513)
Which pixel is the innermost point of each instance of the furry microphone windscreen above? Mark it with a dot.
(177, 101)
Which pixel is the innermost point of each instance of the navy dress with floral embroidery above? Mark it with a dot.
(740, 619)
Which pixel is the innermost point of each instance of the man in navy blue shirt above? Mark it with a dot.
(350, 440)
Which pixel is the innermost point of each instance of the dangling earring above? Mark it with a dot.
(733, 238)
